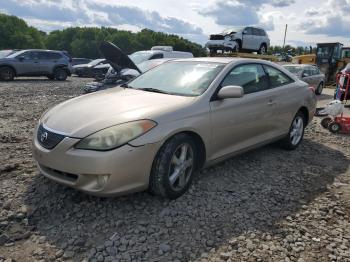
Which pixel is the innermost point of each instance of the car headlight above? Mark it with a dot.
(115, 136)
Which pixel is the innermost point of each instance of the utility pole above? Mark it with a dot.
(285, 34)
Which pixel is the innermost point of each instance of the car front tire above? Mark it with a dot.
(319, 89)
(262, 50)
(60, 74)
(173, 167)
(295, 134)
(7, 73)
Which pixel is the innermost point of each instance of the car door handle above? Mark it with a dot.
(271, 103)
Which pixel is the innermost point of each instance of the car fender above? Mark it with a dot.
(9, 65)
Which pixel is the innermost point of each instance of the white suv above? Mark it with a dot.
(249, 38)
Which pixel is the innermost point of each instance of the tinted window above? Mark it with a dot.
(262, 32)
(26, 55)
(157, 56)
(249, 31)
(251, 77)
(256, 31)
(315, 70)
(277, 78)
(49, 55)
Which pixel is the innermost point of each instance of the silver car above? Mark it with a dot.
(310, 74)
(156, 131)
(253, 39)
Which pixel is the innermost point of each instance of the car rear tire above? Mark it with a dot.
(173, 167)
(325, 122)
(262, 49)
(319, 89)
(334, 127)
(7, 73)
(60, 74)
(295, 134)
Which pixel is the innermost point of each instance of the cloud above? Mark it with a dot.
(59, 13)
(243, 12)
(141, 18)
(331, 19)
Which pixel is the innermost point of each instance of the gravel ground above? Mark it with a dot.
(265, 205)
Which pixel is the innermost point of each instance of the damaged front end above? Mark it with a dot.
(222, 42)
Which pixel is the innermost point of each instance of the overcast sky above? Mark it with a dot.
(308, 21)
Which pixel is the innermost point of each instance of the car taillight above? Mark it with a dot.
(312, 89)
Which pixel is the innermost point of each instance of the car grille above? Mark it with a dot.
(48, 139)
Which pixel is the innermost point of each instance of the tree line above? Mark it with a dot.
(84, 41)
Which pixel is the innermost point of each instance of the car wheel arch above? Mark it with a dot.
(10, 66)
(199, 142)
(305, 112)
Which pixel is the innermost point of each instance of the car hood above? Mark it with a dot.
(84, 115)
(81, 66)
(116, 57)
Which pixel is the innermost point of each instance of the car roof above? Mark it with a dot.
(300, 65)
(224, 60)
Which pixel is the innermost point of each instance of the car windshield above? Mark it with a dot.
(96, 62)
(149, 64)
(294, 69)
(233, 30)
(140, 56)
(5, 53)
(179, 78)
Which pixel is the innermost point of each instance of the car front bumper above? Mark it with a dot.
(108, 173)
(220, 44)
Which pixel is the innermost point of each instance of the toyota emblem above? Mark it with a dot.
(43, 137)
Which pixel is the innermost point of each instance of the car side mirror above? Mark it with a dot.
(21, 58)
(230, 92)
(245, 32)
(305, 75)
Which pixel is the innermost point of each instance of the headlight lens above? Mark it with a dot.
(228, 38)
(115, 136)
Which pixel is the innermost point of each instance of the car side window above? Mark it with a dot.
(262, 32)
(251, 77)
(249, 31)
(277, 77)
(26, 55)
(35, 55)
(157, 56)
(308, 71)
(315, 70)
(256, 31)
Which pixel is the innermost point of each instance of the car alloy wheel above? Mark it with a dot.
(173, 167)
(297, 130)
(181, 166)
(6, 74)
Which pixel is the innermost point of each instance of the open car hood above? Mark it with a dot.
(116, 57)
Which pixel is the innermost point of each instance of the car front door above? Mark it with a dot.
(26, 62)
(239, 123)
(286, 99)
(307, 76)
(247, 38)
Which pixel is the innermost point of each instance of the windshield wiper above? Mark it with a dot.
(155, 90)
(125, 85)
